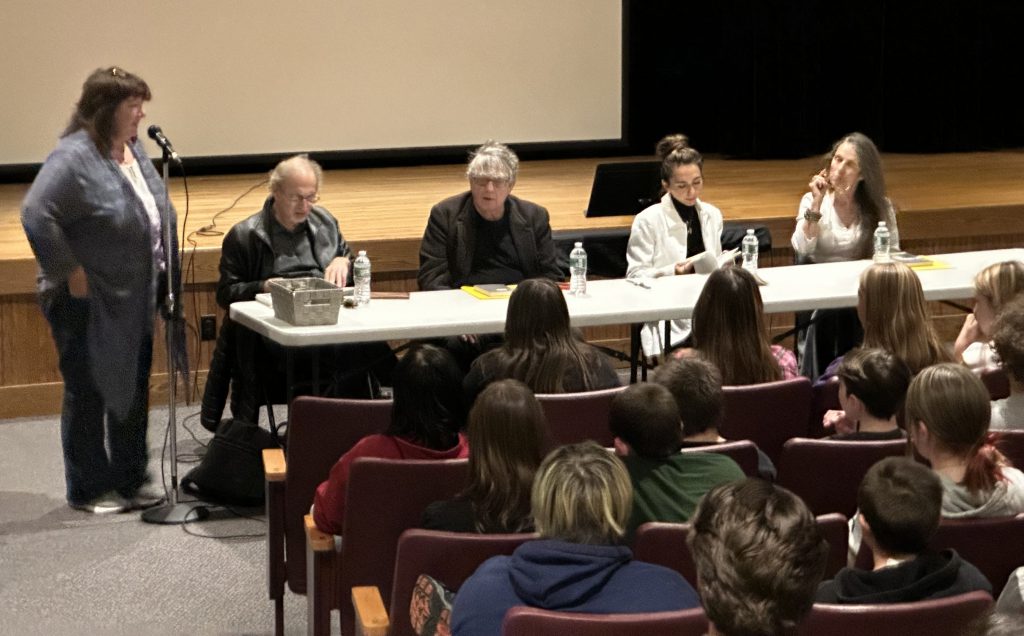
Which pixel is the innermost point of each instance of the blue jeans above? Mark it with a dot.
(97, 459)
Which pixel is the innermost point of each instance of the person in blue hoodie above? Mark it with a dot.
(581, 501)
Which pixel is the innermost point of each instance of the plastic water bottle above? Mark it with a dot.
(750, 251)
(361, 275)
(578, 270)
(883, 244)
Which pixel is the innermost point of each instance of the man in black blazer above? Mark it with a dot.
(486, 235)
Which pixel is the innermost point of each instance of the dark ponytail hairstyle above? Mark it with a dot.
(675, 151)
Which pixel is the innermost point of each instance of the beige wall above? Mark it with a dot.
(268, 76)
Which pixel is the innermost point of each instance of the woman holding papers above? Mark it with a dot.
(679, 235)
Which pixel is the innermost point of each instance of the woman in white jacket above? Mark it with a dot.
(678, 235)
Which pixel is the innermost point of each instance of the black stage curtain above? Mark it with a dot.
(785, 78)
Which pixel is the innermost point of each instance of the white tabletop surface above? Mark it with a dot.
(454, 312)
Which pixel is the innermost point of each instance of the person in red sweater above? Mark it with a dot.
(427, 420)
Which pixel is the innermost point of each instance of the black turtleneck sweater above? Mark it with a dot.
(694, 235)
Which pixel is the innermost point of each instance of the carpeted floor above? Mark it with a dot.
(67, 572)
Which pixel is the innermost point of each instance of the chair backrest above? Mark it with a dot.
(665, 544)
(950, 615)
(449, 557)
(576, 417)
(994, 545)
(385, 498)
(826, 473)
(996, 381)
(767, 414)
(743, 452)
(1011, 444)
(320, 430)
(530, 621)
(824, 398)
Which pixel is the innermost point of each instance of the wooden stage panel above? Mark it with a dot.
(947, 202)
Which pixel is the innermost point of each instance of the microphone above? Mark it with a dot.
(157, 135)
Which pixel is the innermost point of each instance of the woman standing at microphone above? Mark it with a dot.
(836, 221)
(93, 218)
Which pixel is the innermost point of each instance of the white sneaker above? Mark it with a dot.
(106, 504)
(146, 497)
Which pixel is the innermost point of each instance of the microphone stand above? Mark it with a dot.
(172, 512)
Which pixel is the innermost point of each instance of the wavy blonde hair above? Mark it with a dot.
(582, 494)
(895, 316)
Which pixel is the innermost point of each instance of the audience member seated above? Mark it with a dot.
(581, 501)
(1008, 340)
(428, 414)
(696, 386)
(900, 503)
(994, 287)
(507, 433)
(540, 348)
(947, 415)
(669, 237)
(729, 331)
(759, 556)
(291, 237)
(667, 484)
(486, 236)
(892, 309)
(872, 385)
(948, 411)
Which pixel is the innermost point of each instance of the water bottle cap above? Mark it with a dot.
(579, 244)
(362, 253)
(881, 224)
(750, 230)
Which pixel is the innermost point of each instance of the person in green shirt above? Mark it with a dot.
(667, 484)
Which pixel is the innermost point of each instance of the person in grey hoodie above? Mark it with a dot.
(900, 504)
(947, 418)
(581, 501)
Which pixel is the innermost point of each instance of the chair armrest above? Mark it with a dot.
(320, 574)
(371, 617)
(274, 465)
(274, 471)
(317, 539)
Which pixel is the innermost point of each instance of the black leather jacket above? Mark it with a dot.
(247, 255)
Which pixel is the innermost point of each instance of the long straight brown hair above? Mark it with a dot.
(729, 329)
(507, 435)
(895, 316)
(540, 347)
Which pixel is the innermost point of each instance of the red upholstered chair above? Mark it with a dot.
(449, 557)
(320, 430)
(665, 544)
(767, 414)
(1011, 444)
(994, 545)
(576, 417)
(996, 381)
(826, 474)
(385, 498)
(743, 452)
(824, 397)
(530, 621)
(941, 616)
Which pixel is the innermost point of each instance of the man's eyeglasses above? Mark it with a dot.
(309, 198)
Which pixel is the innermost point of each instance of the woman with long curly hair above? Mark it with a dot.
(541, 350)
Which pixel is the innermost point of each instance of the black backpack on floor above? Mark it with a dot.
(231, 472)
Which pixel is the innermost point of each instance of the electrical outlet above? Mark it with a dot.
(208, 327)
